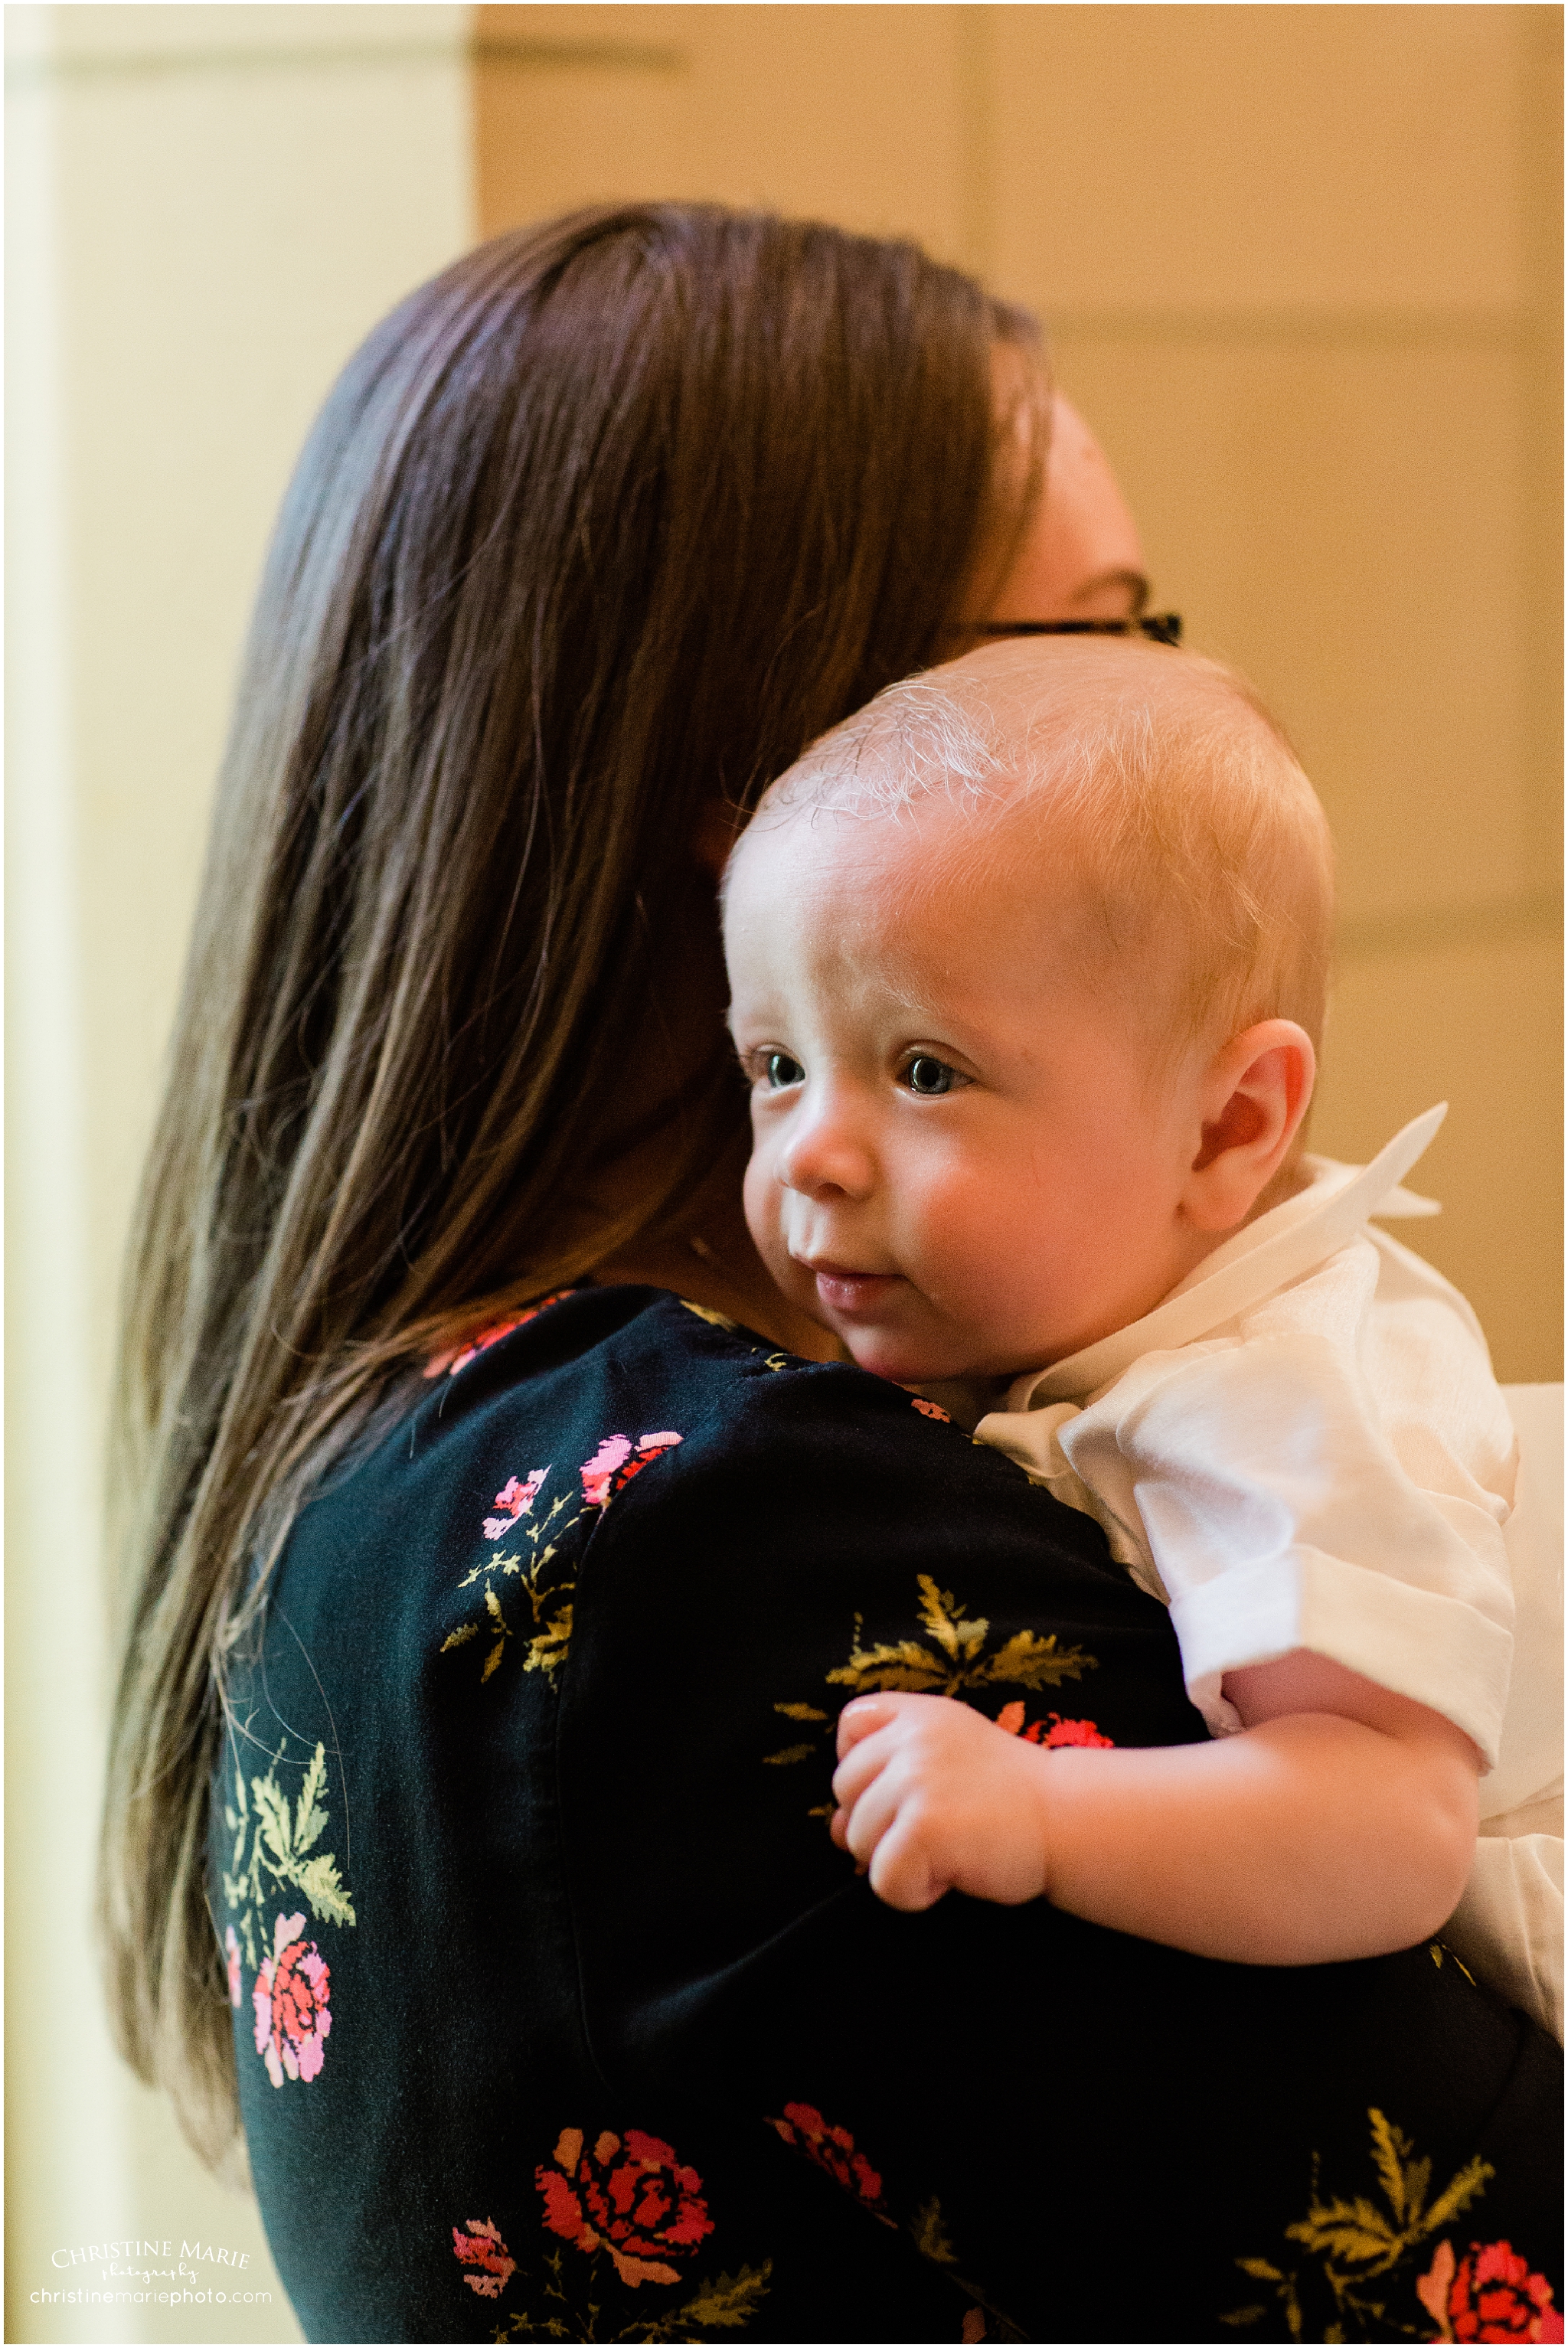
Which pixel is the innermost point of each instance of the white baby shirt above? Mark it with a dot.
(1304, 1445)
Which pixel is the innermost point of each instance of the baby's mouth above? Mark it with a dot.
(849, 1293)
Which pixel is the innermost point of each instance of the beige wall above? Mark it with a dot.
(206, 207)
(1301, 268)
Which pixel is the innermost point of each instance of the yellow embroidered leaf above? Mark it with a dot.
(319, 1879)
(907, 1664)
(493, 1659)
(1347, 2229)
(705, 1312)
(800, 1712)
(548, 1652)
(1029, 1661)
(1390, 2151)
(939, 1611)
(1471, 2180)
(474, 1572)
(460, 1638)
(790, 1753)
(729, 2300)
(823, 1810)
(492, 1608)
(1260, 2270)
(930, 2238)
(1244, 2315)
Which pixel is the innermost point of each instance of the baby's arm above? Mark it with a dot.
(1339, 1823)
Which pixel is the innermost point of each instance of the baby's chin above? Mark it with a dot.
(887, 1353)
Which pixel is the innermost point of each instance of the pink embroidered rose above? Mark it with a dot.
(613, 1465)
(232, 1949)
(629, 2195)
(832, 2148)
(1489, 2294)
(516, 1500)
(290, 2000)
(481, 2245)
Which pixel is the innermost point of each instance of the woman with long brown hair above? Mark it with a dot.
(461, 1828)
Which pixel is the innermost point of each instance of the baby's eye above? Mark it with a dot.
(778, 1069)
(928, 1076)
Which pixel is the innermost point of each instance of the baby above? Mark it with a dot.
(1029, 966)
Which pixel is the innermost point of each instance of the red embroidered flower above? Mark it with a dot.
(290, 2000)
(1051, 1731)
(516, 1500)
(832, 2148)
(630, 2195)
(930, 1409)
(1490, 2294)
(452, 1362)
(482, 2247)
(613, 1465)
(1064, 1731)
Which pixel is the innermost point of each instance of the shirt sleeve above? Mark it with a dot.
(1315, 1477)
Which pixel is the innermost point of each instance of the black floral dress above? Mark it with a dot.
(558, 2014)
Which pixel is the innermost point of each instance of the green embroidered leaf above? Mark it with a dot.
(460, 1638)
(309, 1819)
(319, 1879)
(801, 1712)
(273, 1811)
(791, 1752)
(729, 2300)
(1260, 2270)
(931, 2238)
(1029, 1661)
(250, 1943)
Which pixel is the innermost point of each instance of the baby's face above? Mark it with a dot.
(962, 1161)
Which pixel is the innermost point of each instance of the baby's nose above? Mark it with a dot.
(825, 1158)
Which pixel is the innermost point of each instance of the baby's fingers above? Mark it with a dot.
(901, 1870)
(861, 1718)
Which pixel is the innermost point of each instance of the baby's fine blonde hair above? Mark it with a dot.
(1154, 777)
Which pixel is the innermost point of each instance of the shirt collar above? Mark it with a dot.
(1282, 1245)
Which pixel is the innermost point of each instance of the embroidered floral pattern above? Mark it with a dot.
(1051, 1731)
(483, 1339)
(515, 1499)
(1359, 2253)
(628, 2201)
(631, 2197)
(949, 1656)
(932, 1409)
(832, 2148)
(1489, 2294)
(547, 1637)
(613, 1465)
(274, 1852)
(479, 2244)
(290, 2002)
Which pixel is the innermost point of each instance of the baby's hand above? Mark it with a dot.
(936, 1798)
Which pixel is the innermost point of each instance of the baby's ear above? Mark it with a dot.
(1252, 1097)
